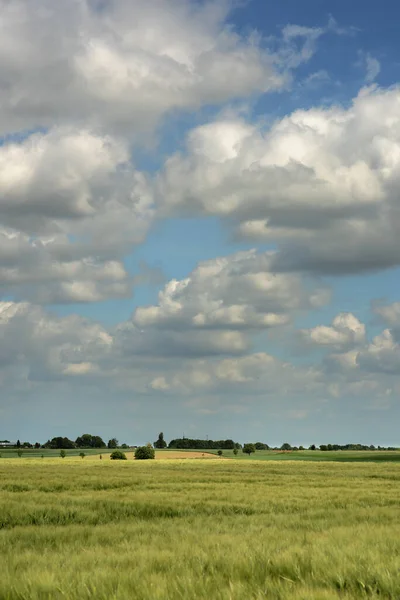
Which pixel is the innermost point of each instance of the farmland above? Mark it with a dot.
(197, 529)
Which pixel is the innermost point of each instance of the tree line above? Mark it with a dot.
(88, 440)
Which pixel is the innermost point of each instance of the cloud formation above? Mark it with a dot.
(71, 205)
(119, 65)
(321, 183)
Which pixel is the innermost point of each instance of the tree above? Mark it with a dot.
(59, 443)
(18, 444)
(124, 446)
(37, 445)
(286, 446)
(113, 443)
(235, 451)
(261, 446)
(89, 441)
(249, 449)
(63, 453)
(219, 452)
(312, 447)
(82, 454)
(19, 453)
(160, 443)
(118, 455)
(144, 452)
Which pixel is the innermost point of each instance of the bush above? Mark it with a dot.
(235, 451)
(118, 455)
(219, 453)
(62, 453)
(144, 452)
(82, 454)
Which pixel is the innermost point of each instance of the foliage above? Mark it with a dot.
(124, 446)
(82, 454)
(18, 444)
(118, 455)
(144, 452)
(63, 453)
(261, 446)
(219, 452)
(20, 453)
(249, 449)
(160, 443)
(235, 451)
(59, 443)
(187, 443)
(89, 441)
(286, 446)
(113, 443)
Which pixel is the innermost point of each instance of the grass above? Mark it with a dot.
(303, 455)
(192, 529)
(317, 455)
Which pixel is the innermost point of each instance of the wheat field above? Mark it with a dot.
(192, 529)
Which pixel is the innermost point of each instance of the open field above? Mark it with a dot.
(317, 455)
(303, 455)
(194, 529)
(95, 453)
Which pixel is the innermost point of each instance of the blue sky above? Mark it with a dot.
(199, 221)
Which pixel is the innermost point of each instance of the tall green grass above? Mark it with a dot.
(198, 530)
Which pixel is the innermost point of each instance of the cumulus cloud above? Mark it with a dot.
(321, 183)
(238, 292)
(346, 331)
(389, 313)
(36, 344)
(71, 204)
(122, 65)
(382, 355)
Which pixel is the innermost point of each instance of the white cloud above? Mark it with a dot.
(322, 183)
(122, 65)
(389, 313)
(238, 292)
(71, 205)
(371, 65)
(346, 331)
(382, 355)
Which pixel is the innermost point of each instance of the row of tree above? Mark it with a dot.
(88, 440)
(187, 443)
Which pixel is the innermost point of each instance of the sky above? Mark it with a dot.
(200, 220)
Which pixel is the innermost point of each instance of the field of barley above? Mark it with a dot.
(198, 529)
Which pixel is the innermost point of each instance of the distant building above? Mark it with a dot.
(7, 444)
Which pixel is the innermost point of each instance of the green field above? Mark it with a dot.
(316, 455)
(198, 529)
(303, 455)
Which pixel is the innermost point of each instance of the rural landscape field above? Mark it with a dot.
(197, 529)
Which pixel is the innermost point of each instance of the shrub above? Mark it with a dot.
(144, 452)
(235, 451)
(118, 455)
(19, 453)
(82, 454)
(219, 452)
(62, 453)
